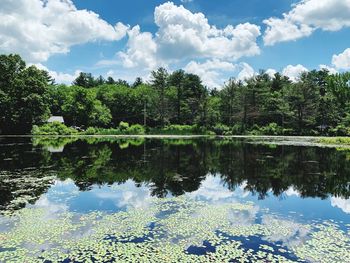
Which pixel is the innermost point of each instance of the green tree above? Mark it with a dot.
(84, 80)
(81, 108)
(177, 79)
(160, 83)
(23, 95)
(303, 99)
(110, 81)
(138, 82)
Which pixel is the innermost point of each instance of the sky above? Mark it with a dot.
(216, 40)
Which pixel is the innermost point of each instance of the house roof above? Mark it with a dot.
(56, 119)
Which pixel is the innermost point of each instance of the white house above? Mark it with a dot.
(56, 119)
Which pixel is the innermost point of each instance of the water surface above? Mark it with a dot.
(172, 200)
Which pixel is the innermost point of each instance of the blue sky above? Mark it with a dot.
(214, 39)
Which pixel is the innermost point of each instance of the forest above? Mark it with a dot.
(174, 102)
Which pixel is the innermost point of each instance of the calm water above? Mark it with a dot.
(172, 200)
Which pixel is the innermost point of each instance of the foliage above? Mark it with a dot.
(317, 104)
(270, 129)
(23, 95)
(335, 140)
(54, 128)
(221, 129)
(136, 129)
(123, 129)
(123, 126)
(176, 130)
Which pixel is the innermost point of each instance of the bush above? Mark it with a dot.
(54, 128)
(270, 129)
(90, 131)
(340, 130)
(221, 129)
(179, 129)
(101, 131)
(136, 129)
(123, 126)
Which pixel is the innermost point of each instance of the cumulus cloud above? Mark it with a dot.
(341, 203)
(271, 72)
(60, 78)
(141, 50)
(37, 29)
(331, 70)
(342, 61)
(185, 35)
(212, 72)
(306, 17)
(294, 72)
(280, 30)
(246, 72)
(291, 191)
(127, 195)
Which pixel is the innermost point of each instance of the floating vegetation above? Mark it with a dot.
(169, 230)
(22, 187)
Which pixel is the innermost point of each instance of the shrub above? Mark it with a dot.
(123, 126)
(54, 128)
(236, 129)
(221, 129)
(179, 129)
(340, 130)
(270, 129)
(136, 129)
(102, 131)
(90, 131)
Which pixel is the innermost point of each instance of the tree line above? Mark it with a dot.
(317, 104)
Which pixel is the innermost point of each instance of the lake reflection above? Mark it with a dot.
(207, 199)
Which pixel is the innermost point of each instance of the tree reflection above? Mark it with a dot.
(177, 166)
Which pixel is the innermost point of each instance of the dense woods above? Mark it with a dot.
(317, 104)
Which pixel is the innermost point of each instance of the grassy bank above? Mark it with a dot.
(264, 135)
(124, 128)
(335, 140)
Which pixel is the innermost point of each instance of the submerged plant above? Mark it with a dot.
(168, 230)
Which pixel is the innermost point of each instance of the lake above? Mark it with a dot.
(172, 200)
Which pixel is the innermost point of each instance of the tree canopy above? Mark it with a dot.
(317, 104)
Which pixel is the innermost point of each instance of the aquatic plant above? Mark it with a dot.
(167, 231)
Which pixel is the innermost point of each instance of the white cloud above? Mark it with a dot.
(213, 190)
(306, 17)
(127, 195)
(215, 72)
(271, 72)
(141, 50)
(37, 29)
(331, 70)
(291, 191)
(212, 72)
(294, 72)
(60, 78)
(342, 61)
(128, 75)
(341, 203)
(246, 72)
(185, 35)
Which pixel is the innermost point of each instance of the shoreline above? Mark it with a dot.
(317, 141)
